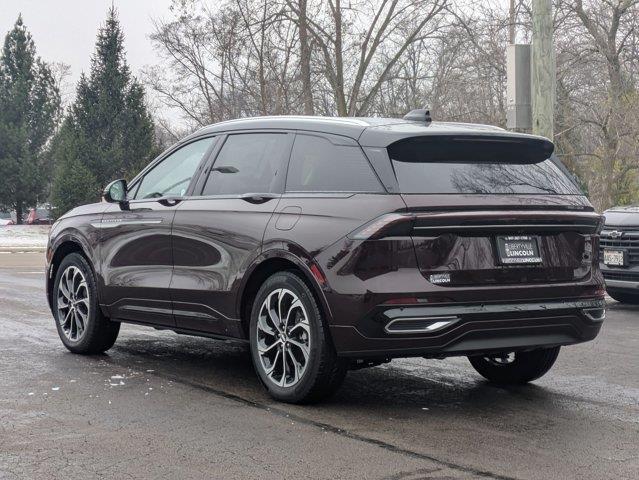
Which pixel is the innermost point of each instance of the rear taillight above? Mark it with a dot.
(388, 225)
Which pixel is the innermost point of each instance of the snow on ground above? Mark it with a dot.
(23, 237)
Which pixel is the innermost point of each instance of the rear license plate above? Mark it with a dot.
(518, 250)
(615, 258)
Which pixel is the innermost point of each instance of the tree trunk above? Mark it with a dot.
(543, 69)
(305, 59)
(19, 212)
(340, 96)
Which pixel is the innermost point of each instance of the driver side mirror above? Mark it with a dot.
(115, 192)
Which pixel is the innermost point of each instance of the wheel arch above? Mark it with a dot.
(63, 247)
(275, 261)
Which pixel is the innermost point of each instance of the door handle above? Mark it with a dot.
(169, 201)
(258, 197)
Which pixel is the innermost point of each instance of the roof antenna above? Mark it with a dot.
(421, 115)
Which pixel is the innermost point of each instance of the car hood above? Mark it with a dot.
(622, 216)
(89, 209)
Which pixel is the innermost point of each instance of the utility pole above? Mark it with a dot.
(518, 102)
(543, 69)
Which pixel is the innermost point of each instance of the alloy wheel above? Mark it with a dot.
(73, 303)
(283, 338)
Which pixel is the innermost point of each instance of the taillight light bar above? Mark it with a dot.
(388, 225)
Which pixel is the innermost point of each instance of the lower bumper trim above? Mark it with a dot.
(473, 329)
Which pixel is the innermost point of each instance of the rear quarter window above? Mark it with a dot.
(319, 165)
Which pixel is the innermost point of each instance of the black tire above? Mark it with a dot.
(99, 333)
(524, 368)
(624, 297)
(324, 372)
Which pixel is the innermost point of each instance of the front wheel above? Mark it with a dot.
(291, 347)
(515, 367)
(79, 320)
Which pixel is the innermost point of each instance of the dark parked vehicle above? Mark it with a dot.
(620, 253)
(332, 244)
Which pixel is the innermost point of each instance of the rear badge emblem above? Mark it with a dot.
(440, 278)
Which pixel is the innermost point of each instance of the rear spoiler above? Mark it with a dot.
(477, 148)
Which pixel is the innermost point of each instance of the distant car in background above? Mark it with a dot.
(619, 248)
(39, 216)
(5, 219)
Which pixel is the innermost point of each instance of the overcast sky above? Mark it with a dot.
(65, 30)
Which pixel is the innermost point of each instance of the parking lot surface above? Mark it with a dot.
(161, 405)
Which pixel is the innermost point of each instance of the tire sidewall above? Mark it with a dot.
(292, 282)
(79, 262)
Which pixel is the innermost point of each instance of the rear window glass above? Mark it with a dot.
(478, 166)
(318, 165)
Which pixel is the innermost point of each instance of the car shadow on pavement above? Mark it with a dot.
(401, 389)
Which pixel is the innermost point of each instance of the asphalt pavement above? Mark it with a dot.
(162, 405)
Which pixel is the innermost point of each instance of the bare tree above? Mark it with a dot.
(238, 58)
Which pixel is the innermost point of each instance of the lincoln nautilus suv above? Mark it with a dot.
(329, 244)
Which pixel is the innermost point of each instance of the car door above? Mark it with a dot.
(135, 241)
(217, 232)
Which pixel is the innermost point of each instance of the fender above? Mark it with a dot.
(301, 259)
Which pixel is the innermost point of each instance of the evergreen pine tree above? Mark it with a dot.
(29, 111)
(108, 130)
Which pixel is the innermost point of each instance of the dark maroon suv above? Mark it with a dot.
(331, 244)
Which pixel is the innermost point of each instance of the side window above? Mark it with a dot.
(317, 165)
(248, 163)
(173, 174)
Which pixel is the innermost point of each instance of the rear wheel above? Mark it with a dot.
(624, 297)
(515, 367)
(79, 320)
(290, 344)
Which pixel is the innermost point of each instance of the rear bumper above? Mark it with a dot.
(623, 285)
(455, 329)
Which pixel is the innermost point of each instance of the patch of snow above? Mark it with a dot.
(24, 236)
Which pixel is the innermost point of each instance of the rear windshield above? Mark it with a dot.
(482, 166)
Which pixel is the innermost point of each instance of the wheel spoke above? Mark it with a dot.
(275, 320)
(64, 289)
(301, 324)
(280, 295)
(296, 369)
(263, 325)
(302, 348)
(79, 323)
(265, 349)
(84, 301)
(80, 286)
(269, 370)
(66, 318)
(283, 379)
(294, 305)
